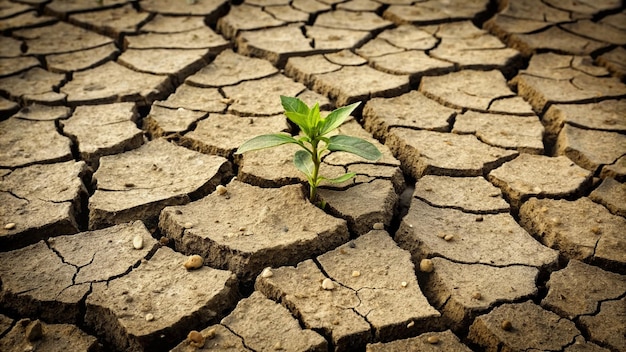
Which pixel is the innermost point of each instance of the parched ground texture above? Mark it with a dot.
(493, 222)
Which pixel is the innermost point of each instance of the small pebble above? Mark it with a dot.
(196, 339)
(193, 262)
(410, 325)
(479, 218)
(138, 242)
(356, 273)
(379, 226)
(506, 325)
(441, 235)
(267, 272)
(221, 190)
(596, 230)
(242, 229)
(404, 284)
(278, 346)
(477, 295)
(426, 265)
(188, 225)
(129, 185)
(449, 238)
(351, 244)
(433, 340)
(164, 241)
(149, 317)
(328, 284)
(9, 226)
(210, 333)
(342, 251)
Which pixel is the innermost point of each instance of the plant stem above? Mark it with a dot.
(316, 168)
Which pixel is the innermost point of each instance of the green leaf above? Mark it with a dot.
(297, 112)
(314, 121)
(340, 179)
(291, 104)
(337, 117)
(304, 162)
(265, 141)
(355, 146)
(301, 120)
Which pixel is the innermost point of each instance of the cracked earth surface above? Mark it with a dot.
(493, 222)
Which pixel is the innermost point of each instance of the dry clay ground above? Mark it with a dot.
(493, 222)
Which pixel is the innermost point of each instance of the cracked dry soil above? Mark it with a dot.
(493, 222)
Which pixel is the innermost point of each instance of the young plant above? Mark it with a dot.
(316, 140)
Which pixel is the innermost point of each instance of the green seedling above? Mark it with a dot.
(316, 141)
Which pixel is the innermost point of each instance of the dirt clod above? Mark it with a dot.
(328, 284)
(433, 340)
(196, 339)
(427, 266)
(221, 190)
(267, 272)
(193, 262)
(138, 242)
(506, 325)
